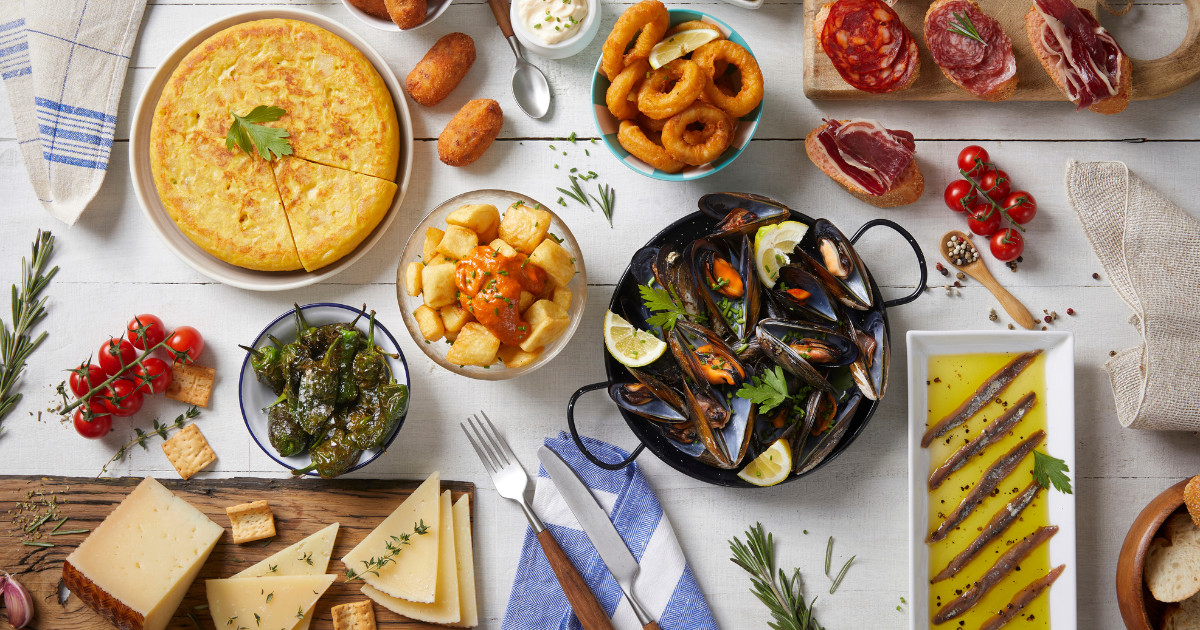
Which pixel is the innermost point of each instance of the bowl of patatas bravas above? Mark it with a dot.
(491, 284)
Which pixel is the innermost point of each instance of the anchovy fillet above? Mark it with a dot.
(1022, 599)
(1002, 468)
(990, 434)
(987, 392)
(1004, 565)
(998, 525)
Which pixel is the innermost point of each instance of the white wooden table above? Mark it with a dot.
(113, 266)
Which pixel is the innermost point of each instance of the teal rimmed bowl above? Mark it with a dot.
(607, 124)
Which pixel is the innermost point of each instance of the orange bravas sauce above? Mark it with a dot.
(490, 285)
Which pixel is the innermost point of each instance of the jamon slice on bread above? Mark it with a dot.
(906, 189)
(1115, 104)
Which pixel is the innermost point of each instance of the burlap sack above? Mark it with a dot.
(1148, 247)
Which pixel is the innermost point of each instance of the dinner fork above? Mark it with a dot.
(512, 482)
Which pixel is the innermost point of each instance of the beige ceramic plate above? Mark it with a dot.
(181, 245)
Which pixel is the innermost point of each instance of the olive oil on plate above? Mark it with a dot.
(953, 379)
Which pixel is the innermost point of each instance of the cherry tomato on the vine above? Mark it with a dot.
(972, 160)
(984, 219)
(959, 195)
(92, 425)
(1021, 206)
(153, 376)
(187, 340)
(151, 328)
(996, 183)
(84, 378)
(122, 398)
(1007, 244)
(115, 355)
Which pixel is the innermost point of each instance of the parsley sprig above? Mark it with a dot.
(963, 26)
(271, 142)
(659, 302)
(1049, 470)
(767, 390)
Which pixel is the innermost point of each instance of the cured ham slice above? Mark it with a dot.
(869, 45)
(981, 66)
(871, 155)
(1087, 61)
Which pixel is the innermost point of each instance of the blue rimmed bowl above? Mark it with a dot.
(608, 124)
(254, 396)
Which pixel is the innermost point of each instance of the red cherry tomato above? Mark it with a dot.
(1007, 244)
(996, 183)
(959, 195)
(187, 340)
(84, 378)
(984, 219)
(151, 328)
(1020, 206)
(972, 160)
(115, 355)
(93, 423)
(153, 376)
(122, 398)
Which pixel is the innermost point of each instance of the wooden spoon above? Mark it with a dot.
(980, 272)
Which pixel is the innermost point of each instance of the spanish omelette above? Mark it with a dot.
(339, 113)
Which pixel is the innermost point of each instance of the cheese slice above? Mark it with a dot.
(307, 557)
(414, 573)
(270, 603)
(135, 568)
(445, 608)
(465, 556)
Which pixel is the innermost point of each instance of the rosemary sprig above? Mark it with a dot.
(27, 311)
(837, 581)
(159, 429)
(393, 546)
(576, 192)
(608, 197)
(963, 26)
(783, 598)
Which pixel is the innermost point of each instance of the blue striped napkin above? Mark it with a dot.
(63, 64)
(665, 586)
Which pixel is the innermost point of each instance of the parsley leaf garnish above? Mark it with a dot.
(247, 134)
(659, 302)
(1049, 470)
(768, 391)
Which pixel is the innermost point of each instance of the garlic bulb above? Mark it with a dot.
(17, 601)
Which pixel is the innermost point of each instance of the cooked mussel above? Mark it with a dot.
(741, 213)
(837, 265)
(818, 344)
(804, 295)
(820, 445)
(725, 280)
(772, 335)
(870, 369)
(712, 373)
(671, 272)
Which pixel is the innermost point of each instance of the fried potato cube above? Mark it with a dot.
(557, 262)
(524, 226)
(475, 345)
(437, 283)
(429, 322)
(562, 297)
(527, 300)
(515, 357)
(504, 248)
(451, 336)
(412, 278)
(481, 218)
(454, 317)
(437, 258)
(433, 236)
(547, 321)
(458, 242)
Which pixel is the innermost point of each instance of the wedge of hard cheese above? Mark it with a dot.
(465, 556)
(307, 557)
(414, 573)
(135, 568)
(264, 602)
(444, 608)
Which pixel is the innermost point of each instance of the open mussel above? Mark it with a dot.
(870, 370)
(823, 438)
(712, 375)
(724, 278)
(804, 295)
(818, 344)
(741, 213)
(775, 335)
(837, 265)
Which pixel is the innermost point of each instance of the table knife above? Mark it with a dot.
(599, 529)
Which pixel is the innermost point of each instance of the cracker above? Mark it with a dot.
(356, 616)
(189, 452)
(192, 384)
(1191, 498)
(251, 521)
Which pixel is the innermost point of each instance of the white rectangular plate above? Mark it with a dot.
(1059, 350)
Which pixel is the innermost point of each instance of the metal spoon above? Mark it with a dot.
(977, 270)
(529, 84)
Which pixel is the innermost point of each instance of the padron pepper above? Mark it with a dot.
(340, 356)
(284, 432)
(370, 365)
(333, 455)
(267, 363)
(316, 395)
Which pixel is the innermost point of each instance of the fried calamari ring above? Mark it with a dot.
(618, 97)
(650, 124)
(642, 147)
(647, 21)
(686, 81)
(692, 25)
(749, 95)
(675, 135)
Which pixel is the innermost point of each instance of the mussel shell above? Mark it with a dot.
(818, 306)
(840, 349)
(749, 212)
(723, 421)
(870, 371)
(821, 446)
(736, 321)
(639, 399)
(671, 272)
(787, 358)
(852, 290)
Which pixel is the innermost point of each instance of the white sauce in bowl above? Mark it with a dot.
(553, 21)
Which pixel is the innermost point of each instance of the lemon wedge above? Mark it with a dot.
(771, 467)
(680, 44)
(772, 245)
(630, 346)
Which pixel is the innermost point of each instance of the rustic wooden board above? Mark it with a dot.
(301, 507)
(1151, 79)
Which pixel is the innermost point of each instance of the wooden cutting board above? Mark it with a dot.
(301, 507)
(1151, 78)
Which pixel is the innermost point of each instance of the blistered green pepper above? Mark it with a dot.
(340, 357)
(333, 455)
(370, 366)
(285, 433)
(267, 363)
(316, 395)
(364, 422)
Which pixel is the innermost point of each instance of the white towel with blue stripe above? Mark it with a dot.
(63, 64)
(665, 586)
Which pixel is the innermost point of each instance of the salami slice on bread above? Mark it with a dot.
(987, 69)
(875, 164)
(1079, 27)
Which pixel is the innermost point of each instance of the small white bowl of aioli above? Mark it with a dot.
(555, 29)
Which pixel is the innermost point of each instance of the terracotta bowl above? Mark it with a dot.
(1139, 609)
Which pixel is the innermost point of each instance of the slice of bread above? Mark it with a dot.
(1191, 498)
(1183, 616)
(1172, 571)
(998, 93)
(907, 189)
(819, 26)
(1115, 104)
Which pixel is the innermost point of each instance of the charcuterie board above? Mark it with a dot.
(1151, 78)
(301, 507)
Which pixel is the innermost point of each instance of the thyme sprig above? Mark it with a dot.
(27, 310)
(394, 546)
(783, 597)
(962, 25)
(159, 429)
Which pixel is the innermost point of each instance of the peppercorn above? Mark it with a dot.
(1095, 276)
(1046, 319)
(1070, 311)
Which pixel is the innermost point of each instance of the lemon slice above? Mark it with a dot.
(771, 467)
(772, 245)
(680, 44)
(630, 346)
